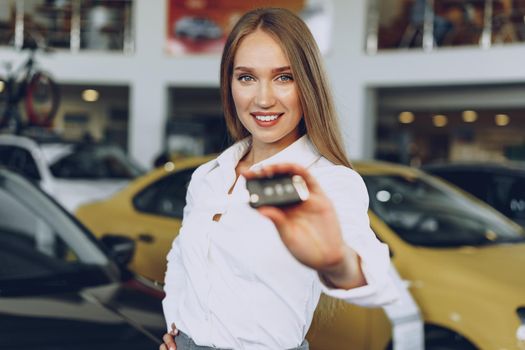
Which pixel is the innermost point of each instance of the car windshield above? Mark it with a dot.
(95, 161)
(425, 212)
(40, 244)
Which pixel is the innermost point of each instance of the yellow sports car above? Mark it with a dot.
(149, 211)
(462, 261)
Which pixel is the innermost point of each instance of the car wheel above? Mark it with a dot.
(437, 338)
(448, 345)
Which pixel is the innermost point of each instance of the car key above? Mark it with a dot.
(279, 190)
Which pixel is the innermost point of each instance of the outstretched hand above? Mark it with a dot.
(311, 231)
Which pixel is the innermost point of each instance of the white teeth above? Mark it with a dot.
(266, 118)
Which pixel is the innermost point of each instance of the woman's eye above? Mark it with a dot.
(285, 77)
(245, 78)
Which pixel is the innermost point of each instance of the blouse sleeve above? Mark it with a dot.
(349, 196)
(173, 278)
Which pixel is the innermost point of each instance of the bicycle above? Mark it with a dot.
(36, 88)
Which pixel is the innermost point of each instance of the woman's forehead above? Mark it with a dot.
(260, 50)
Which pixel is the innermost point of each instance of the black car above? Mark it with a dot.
(62, 289)
(500, 185)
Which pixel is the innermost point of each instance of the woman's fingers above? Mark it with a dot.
(169, 343)
(285, 168)
(174, 331)
(275, 214)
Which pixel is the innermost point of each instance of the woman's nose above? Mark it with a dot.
(265, 96)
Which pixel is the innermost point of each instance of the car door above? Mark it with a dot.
(158, 216)
(58, 290)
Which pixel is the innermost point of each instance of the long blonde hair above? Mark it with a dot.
(319, 117)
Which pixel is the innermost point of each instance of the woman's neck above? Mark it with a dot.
(260, 151)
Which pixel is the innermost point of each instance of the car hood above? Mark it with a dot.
(493, 269)
(73, 193)
(109, 317)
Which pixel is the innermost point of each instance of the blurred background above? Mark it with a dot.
(415, 81)
(94, 94)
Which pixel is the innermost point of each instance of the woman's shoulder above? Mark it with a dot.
(203, 169)
(333, 171)
(335, 177)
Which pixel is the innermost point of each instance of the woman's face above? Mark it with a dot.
(264, 91)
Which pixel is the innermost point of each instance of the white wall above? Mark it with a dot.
(353, 74)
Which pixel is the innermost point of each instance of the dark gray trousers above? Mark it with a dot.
(186, 343)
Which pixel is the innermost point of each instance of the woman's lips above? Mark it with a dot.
(266, 119)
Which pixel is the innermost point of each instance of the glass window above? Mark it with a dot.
(40, 242)
(422, 125)
(106, 25)
(517, 201)
(30, 246)
(95, 162)
(508, 194)
(196, 124)
(7, 23)
(49, 21)
(475, 182)
(166, 197)
(67, 24)
(20, 160)
(428, 213)
(430, 24)
(458, 22)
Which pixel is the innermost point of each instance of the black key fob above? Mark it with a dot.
(279, 190)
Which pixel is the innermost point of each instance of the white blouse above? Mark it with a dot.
(233, 284)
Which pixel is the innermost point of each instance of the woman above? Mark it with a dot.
(240, 278)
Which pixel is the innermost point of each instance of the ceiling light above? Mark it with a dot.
(440, 120)
(502, 119)
(469, 116)
(90, 95)
(406, 117)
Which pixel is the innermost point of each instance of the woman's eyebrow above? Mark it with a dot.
(281, 69)
(244, 69)
(274, 70)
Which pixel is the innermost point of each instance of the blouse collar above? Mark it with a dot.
(301, 151)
